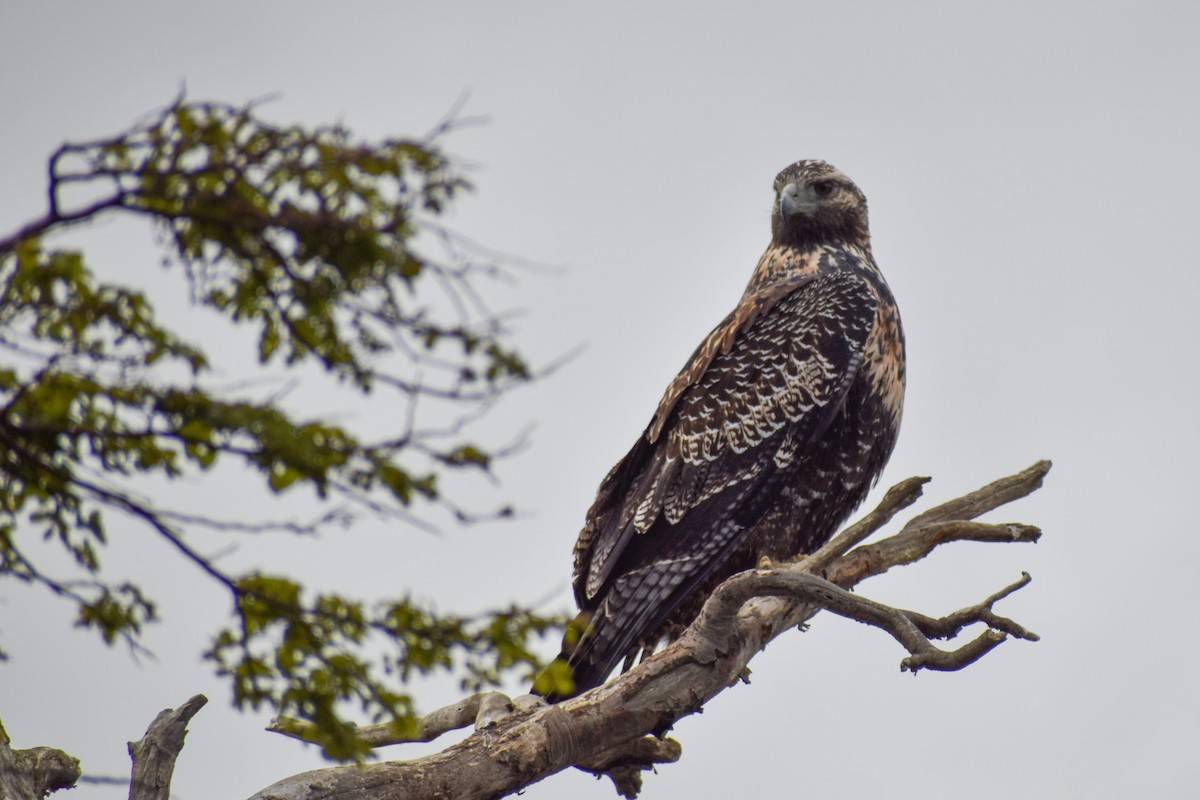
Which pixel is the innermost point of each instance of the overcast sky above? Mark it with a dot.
(1033, 176)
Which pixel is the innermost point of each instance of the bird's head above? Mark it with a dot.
(816, 204)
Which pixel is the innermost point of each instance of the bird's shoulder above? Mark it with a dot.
(778, 363)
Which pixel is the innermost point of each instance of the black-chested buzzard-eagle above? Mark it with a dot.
(763, 444)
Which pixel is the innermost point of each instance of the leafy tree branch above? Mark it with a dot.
(330, 251)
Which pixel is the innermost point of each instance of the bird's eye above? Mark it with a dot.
(823, 188)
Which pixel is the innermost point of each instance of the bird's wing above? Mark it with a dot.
(597, 546)
(765, 389)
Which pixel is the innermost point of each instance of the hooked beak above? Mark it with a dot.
(794, 199)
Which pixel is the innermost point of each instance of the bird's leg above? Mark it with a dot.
(766, 561)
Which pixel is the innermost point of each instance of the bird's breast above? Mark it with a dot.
(884, 360)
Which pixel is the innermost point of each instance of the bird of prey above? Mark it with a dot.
(770, 436)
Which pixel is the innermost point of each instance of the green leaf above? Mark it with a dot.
(282, 477)
(468, 454)
(555, 679)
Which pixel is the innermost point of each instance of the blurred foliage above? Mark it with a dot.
(310, 238)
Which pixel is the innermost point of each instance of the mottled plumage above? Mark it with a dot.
(763, 444)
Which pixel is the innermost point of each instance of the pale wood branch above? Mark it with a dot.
(34, 773)
(605, 730)
(719, 620)
(155, 753)
(949, 626)
(480, 710)
(625, 763)
(986, 498)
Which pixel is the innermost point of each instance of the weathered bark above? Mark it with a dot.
(603, 729)
(34, 773)
(479, 710)
(155, 753)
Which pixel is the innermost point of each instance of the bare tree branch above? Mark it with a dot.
(987, 498)
(478, 709)
(155, 753)
(625, 763)
(34, 773)
(617, 729)
(949, 626)
(605, 730)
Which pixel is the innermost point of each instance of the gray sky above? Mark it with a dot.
(1033, 175)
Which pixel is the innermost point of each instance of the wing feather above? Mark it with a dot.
(669, 513)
